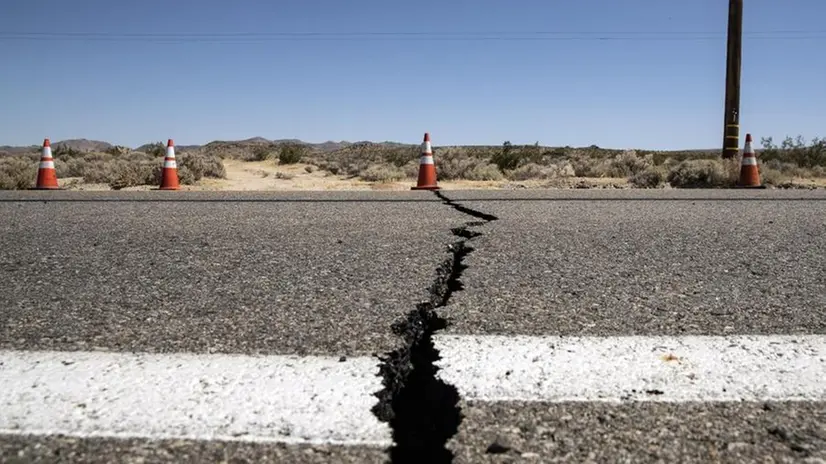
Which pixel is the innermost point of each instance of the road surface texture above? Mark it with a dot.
(472, 326)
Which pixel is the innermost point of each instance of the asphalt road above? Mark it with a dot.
(329, 273)
(233, 274)
(657, 263)
(621, 263)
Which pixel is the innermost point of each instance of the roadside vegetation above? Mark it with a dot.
(579, 167)
(118, 167)
(793, 160)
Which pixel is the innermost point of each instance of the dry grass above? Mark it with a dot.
(258, 164)
(116, 170)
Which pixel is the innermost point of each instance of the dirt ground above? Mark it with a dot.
(269, 176)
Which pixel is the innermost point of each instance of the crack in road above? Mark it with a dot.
(421, 409)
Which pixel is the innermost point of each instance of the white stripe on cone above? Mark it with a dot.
(46, 160)
(749, 161)
(169, 163)
(426, 148)
(426, 159)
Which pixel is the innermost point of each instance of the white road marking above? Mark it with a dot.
(292, 399)
(204, 397)
(614, 369)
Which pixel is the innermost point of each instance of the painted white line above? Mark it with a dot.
(615, 369)
(284, 399)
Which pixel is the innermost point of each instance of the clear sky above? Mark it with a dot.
(460, 69)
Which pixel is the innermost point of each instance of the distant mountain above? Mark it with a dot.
(256, 140)
(11, 150)
(83, 145)
(241, 149)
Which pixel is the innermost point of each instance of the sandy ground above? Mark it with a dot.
(269, 176)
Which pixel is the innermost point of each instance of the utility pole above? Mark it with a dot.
(731, 119)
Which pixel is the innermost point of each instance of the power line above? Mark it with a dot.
(246, 37)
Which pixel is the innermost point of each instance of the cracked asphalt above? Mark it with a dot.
(644, 263)
(329, 273)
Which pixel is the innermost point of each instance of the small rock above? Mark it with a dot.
(497, 448)
(800, 447)
(779, 432)
(342, 359)
(530, 455)
(737, 446)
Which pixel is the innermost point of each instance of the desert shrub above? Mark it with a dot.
(382, 173)
(283, 175)
(202, 165)
(673, 158)
(702, 173)
(795, 151)
(17, 172)
(291, 153)
(122, 174)
(536, 171)
(789, 169)
(510, 157)
(333, 168)
(309, 169)
(411, 169)
(94, 172)
(62, 151)
(769, 176)
(625, 164)
(185, 176)
(484, 172)
(649, 178)
(465, 164)
(622, 164)
(262, 153)
(155, 150)
(400, 156)
(527, 172)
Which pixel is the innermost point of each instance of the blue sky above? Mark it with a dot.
(663, 89)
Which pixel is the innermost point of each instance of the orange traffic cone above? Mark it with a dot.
(749, 172)
(46, 174)
(169, 175)
(427, 170)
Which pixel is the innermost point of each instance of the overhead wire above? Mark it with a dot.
(244, 37)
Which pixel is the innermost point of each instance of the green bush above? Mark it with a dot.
(291, 153)
(510, 157)
(795, 151)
